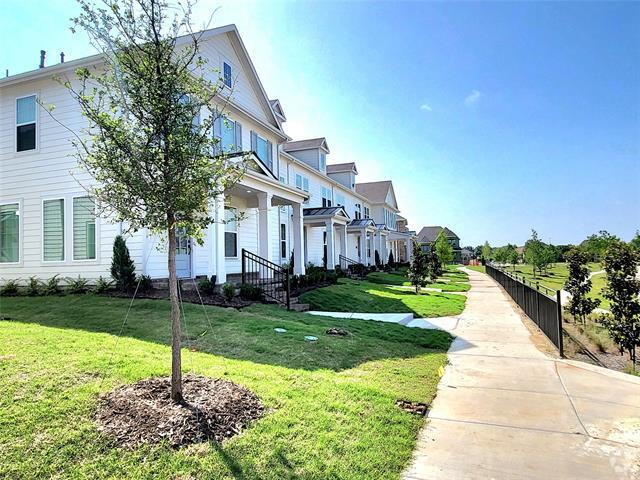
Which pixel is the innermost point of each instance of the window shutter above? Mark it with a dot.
(238, 137)
(270, 155)
(254, 142)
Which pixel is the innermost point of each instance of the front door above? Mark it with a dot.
(183, 254)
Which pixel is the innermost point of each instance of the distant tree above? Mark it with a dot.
(477, 252)
(485, 253)
(512, 255)
(635, 241)
(621, 264)
(597, 244)
(443, 249)
(418, 271)
(500, 255)
(579, 285)
(123, 270)
(434, 266)
(535, 254)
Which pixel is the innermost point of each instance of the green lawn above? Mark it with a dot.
(477, 268)
(556, 276)
(454, 281)
(363, 296)
(331, 404)
(598, 283)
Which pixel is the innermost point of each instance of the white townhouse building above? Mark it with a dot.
(291, 205)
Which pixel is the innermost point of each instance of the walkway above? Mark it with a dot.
(504, 410)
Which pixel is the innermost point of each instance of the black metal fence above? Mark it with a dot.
(272, 280)
(539, 303)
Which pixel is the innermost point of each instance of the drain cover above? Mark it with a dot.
(280, 330)
(310, 338)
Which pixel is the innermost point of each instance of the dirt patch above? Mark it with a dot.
(416, 408)
(214, 409)
(338, 332)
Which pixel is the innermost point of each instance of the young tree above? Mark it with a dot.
(434, 267)
(123, 270)
(443, 249)
(391, 260)
(621, 264)
(579, 285)
(635, 241)
(147, 146)
(512, 255)
(534, 253)
(597, 244)
(418, 271)
(486, 252)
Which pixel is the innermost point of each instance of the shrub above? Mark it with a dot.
(102, 285)
(33, 287)
(377, 259)
(228, 290)
(391, 260)
(250, 292)
(205, 286)
(77, 285)
(9, 288)
(146, 284)
(51, 286)
(122, 267)
(331, 277)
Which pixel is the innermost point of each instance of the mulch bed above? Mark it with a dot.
(190, 296)
(213, 409)
(416, 408)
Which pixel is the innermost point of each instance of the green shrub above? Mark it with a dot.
(51, 286)
(9, 288)
(228, 290)
(102, 285)
(250, 292)
(206, 286)
(123, 269)
(146, 284)
(77, 285)
(33, 287)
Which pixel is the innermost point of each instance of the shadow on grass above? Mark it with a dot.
(243, 335)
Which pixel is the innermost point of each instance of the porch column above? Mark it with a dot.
(299, 253)
(211, 240)
(331, 261)
(343, 241)
(407, 246)
(362, 248)
(264, 229)
(305, 236)
(218, 241)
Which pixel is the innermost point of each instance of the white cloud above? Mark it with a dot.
(472, 98)
(426, 107)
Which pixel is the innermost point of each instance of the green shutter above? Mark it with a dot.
(9, 233)
(53, 230)
(84, 229)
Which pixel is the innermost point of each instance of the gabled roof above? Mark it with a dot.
(325, 212)
(277, 109)
(362, 222)
(429, 234)
(376, 192)
(342, 167)
(309, 144)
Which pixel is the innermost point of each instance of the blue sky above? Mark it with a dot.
(490, 118)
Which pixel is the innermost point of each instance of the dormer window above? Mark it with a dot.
(323, 161)
(226, 72)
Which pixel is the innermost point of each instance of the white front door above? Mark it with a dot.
(183, 254)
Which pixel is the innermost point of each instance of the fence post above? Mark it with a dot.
(560, 340)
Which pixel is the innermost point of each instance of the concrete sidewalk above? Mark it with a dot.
(505, 410)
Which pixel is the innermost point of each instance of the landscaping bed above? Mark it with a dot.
(329, 406)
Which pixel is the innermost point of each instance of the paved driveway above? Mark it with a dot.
(505, 410)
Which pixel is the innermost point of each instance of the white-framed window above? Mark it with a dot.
(302, 182)
(340, 200)
(283, 240)
(84, 228)
(353, 181)
(263, 149)
(26, 120)
(366, 212)
(53, 230)
(227, 74)
(10, 232)
(358, 212)
(229, 134)
(230, 232)
(327, 197)
(323, 161)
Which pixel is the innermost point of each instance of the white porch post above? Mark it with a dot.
(218, 241)
(299, 253)
(264, 230)
(211, 240)
(305, 236)
(343, 241)
(362, 248)
(331, 261)
(407, 246)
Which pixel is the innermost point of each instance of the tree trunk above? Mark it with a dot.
(176, 360)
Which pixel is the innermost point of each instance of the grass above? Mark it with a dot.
(364, 296)
(453, 280)
(331, 404)
(556, 276)
(477, 268)
(598, 283)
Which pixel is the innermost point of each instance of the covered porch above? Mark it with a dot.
(326, 235)
(401, 245)
(362, 231)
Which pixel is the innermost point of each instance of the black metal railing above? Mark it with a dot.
(349, 265)
(272, 280)
(541, 304)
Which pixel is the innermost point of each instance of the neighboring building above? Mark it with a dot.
(292, 204)
(428, 235)
(466, 255)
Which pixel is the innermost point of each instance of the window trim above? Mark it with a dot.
(12, 201)
(95, 220)
(15, 125)
(64, 231)
(283, 241)
(237, 233)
